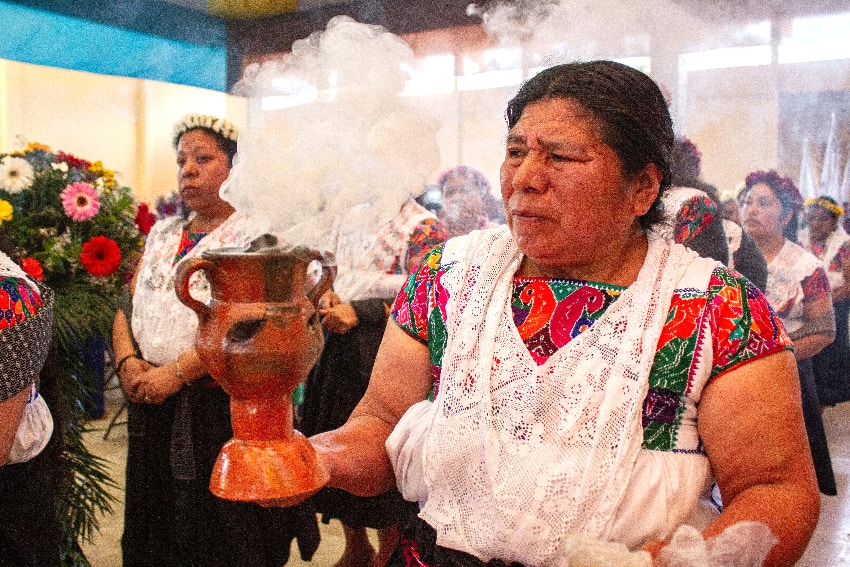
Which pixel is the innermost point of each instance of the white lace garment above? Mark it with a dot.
(519, 462)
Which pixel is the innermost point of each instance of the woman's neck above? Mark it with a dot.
(769, 246)
(208, 222)
(618, 268)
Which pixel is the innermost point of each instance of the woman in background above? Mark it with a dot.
(355, 315)
(29, 532)
(467, 201)
(696, 220)
(826, 239)
(179, 417)
(798, 290)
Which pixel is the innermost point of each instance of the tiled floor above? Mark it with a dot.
(830, 546)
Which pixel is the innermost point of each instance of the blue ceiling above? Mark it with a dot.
(145, 39)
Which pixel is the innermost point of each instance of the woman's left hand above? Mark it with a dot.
(340, 318)
(158, 384)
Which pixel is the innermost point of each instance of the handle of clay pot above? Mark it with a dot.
(185, 269)
(323, 285)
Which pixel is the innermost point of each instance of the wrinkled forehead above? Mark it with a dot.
(556, 120)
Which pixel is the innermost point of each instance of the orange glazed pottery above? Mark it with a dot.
(259, 336)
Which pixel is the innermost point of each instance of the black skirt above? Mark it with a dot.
(832, 364)
(815, 429)
(179, 522)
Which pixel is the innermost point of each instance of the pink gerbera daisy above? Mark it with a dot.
(80, 201)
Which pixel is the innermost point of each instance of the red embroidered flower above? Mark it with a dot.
(100, 256)
(144, 218)
(33, 268)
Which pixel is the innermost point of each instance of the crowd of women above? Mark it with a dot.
(594, 363)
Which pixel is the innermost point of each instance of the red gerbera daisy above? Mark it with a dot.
(144, 218)
(33, 268)
(101, 256)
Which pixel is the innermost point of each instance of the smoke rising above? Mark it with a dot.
(330, 148)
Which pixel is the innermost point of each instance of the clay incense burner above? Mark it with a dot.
(259, 336)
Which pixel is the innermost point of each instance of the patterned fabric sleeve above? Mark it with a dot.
(816, 286)
(841, 258)
(415, 300)
(424, 237)
(695, 214)
(419, 309)
(742, 323)
(18, 302)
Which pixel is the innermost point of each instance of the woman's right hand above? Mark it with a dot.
(130, 376)
(158, 383)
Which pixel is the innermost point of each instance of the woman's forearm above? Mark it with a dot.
(790, 510)
(807, 347)
(356, 453)
(122, 343)
(11, 414)
(356, 457)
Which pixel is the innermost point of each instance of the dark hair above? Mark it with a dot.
(686, 163)
(783, 187)
(225, 144)
(626, 103)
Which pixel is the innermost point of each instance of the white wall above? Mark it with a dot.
(731, 114)
(125, 123)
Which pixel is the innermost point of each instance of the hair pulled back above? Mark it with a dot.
(626, 103)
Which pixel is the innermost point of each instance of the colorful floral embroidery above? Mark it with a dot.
(732, 314)
(840, 259)
(423, 238)
(819, 249)
(694, 215)
(816, 286)
(188, 240)
(18, 302)
(548, 313)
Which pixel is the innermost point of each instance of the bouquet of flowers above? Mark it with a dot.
(67, 220)
(71, 226)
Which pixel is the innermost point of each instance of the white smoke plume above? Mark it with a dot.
(330, 147)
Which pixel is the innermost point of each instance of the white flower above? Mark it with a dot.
(61, 166)
(15, 174)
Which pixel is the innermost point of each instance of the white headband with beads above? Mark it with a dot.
(220, 126)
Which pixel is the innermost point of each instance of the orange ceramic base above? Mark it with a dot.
(286, 472)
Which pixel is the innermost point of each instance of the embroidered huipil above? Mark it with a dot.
(716, 321)
(376, 266)
(795, 278)
(833, 253)
(162, 325)
(20, 301)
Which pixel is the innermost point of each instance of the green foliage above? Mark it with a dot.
(43, 235)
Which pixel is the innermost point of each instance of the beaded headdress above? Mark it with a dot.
(220, 126)
(827, 204)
